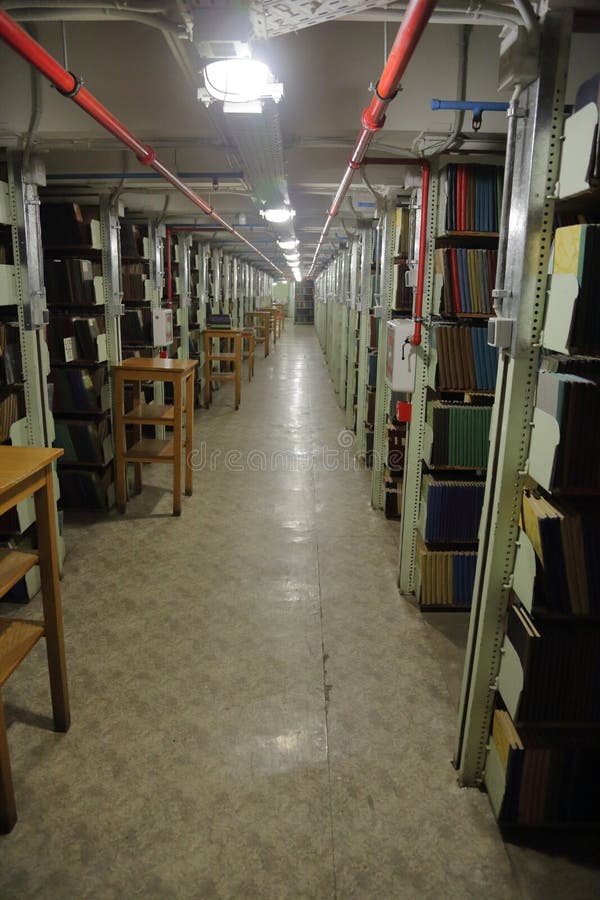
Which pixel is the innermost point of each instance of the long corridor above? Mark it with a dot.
(256, 711)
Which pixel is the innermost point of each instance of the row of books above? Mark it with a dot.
(565, 539)
(447, 577)
(79, 390)
(136, 326)
(577, 253)
(70, 281)
(66, 224)
(549, 779)
(84, 441)
(75, 338)
(12, 408)
(466, 362)
(86, 488)
(460, 434)
(131, 238)
(474, 197)
(469, 279)
(453, 510)
(6, 250)
(574, 401)
(560, 659)
(403, 297)
(133, 277)
(11, 362)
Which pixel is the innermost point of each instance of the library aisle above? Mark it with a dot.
(256, 712)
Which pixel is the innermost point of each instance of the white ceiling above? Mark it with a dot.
(326, 70)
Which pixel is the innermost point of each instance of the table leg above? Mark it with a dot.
(206, 371)
(189, 432)
(55, 648)
(137, 467)
(267, 337)
(238, 370)
(120, 464)
(8, 809)
(177, 446)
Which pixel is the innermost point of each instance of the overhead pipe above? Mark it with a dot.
(413, 24)
(70, 86)
(142, 176)
(104, 14)
(425, 167)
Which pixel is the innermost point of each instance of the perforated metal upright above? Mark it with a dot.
(344, 302)
(527, 255)
(366, 293)
(20, 208)
(184, 242)
(111, 279)
(383, 394)
(353, 320)
(411, 492)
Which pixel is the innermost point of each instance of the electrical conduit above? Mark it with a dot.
(418, 13)
(68, 85)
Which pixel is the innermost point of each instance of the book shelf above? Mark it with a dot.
(82, 274)
(447, 451)
(25, 414)
(304, 310)
(533, 739)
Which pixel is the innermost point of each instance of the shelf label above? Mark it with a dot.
(70, 349)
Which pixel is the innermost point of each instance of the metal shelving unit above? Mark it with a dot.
(538, 135)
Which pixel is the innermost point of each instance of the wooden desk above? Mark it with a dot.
(25, 471)
(180, 373)
(233, 356)
(263, 320)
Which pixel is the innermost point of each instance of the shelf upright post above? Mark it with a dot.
(365, 298)
(527, 256)
(342, 294)
(24, 206)
(353, 318)
(411, 490)
(185, 242)
(383, 393)
(216, 273)
(111, 277)
(235, 287)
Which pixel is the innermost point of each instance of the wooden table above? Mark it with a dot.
(263, 318)
(27, 471)
(232, 356)
(179, 373)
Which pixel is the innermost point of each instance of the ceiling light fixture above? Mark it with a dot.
(240, 83)
(278, 215)
(289, 245)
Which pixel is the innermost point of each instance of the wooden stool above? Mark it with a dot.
(233, 356)
(279, 316)
(261, 319)
(249, 340)
(25, 471)
(179, 373)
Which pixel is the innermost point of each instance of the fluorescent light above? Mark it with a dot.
(278, 215)
(236, 80)
(294, 258)
(297, 276)
(289, 245)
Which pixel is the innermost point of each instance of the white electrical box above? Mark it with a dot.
(162, 327)
(400, 359)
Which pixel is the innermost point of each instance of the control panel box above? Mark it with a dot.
(400, 360)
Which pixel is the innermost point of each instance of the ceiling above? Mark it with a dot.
(140, 62)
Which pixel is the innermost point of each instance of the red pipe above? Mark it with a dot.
(414, 21)
(71, 87)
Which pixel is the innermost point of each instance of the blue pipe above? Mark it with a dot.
(476, 106)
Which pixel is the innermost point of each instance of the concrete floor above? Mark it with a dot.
(256, 712)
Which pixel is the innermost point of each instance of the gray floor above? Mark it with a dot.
(256, 712)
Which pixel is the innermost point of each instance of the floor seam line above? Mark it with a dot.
(326, 689)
